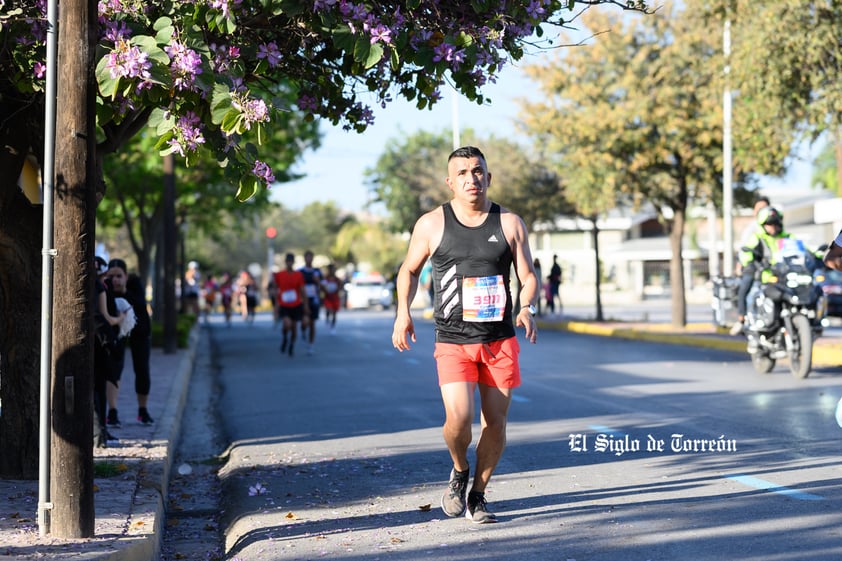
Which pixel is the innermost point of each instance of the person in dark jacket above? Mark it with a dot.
(140, 343)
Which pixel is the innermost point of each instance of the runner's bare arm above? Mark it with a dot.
(426, 231)
(516, 234)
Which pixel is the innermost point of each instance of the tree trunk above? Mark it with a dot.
(170, 237)
(71, 480)
(836, 136)
(598, 267)
(679, 303)
(20, 295)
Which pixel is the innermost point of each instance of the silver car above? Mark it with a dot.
(369, 291)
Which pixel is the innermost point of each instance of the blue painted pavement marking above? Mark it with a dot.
(520, 398)
(775, 488)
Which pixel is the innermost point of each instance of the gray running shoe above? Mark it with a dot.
(453, 500)
(477, 510)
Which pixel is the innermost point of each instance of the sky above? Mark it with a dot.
(335, 171)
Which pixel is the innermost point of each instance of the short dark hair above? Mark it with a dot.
(467, 152)
(119, 263)
(290, 257)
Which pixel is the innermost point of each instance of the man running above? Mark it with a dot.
(292, 303)
(472, 243)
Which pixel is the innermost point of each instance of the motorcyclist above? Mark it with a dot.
(757, 255)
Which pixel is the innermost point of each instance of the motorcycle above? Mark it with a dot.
(785, 312)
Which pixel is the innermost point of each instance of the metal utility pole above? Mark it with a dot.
(47, 254)
(727, 166)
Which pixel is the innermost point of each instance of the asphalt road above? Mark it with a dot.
(339, 455)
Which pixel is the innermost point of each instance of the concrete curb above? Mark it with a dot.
(150, 499)
(826, 352)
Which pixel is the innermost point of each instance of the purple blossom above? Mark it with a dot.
(366, 114)
(127, 61)
(224, 6)
(307, 103)
(271, 53)
(535, 9)
(117, 31)
(39, 69)
(257, 488)
(263, 172)
(448, 53)
(185, 65)
(187, 134)
(223, 57)
(351, 11)
(320, 5)
(253, 110)
(381, 33)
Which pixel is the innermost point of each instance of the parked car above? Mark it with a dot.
(368, 291)
(830, 282)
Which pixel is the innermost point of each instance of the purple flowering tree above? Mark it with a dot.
(211, 76)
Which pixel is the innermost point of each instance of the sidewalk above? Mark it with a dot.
(129, 506)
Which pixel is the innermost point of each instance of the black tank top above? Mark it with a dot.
(471, 268)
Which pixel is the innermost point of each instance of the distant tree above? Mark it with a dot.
(634, 116)
(786, 67)
(826, 169)
(369, 243)
(409, 178)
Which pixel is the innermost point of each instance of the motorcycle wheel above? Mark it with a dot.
(801, 361)
(763, 364)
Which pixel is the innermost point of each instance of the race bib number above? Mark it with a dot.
(331, 287)
(289, 296)
(483, 298)
(311, 290)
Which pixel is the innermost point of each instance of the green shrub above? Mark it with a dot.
(184, 323)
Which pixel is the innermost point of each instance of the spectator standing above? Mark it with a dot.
(190, 289)
(107, 319)
(140, 342)
(555, 286)
(115, 281)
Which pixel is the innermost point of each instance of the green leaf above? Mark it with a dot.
(248, 187)
(108, 86)
(164, 34)
(344, 39)
(165, 125)
(220, 103)
(366, 53)
(232, 121)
